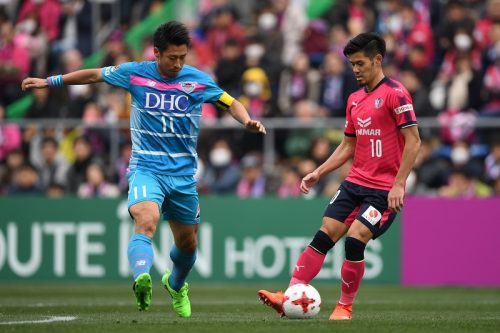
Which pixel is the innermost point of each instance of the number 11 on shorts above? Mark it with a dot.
(144, 192)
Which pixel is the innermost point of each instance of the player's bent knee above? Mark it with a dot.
(354, 249)
(187, 244)
(333, 228)
(146, 217)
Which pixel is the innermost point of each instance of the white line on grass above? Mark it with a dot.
(40, 321)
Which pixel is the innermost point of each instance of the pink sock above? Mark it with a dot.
(307, 267)
(351, 273)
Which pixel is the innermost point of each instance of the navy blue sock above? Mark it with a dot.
(140, 254)
(183, 262)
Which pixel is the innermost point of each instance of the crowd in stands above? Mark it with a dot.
(279, 63)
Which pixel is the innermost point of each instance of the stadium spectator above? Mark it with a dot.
(490, 92)
(30, 36)
(10, 136)
(290, 183)
(26, 181)
(96, 185)
(14, 159)
(431, 169)
(297, 83)
(456, 18)
(252, 183)
(121, 167)
(315, 42)
(76, 28)
(343, 12)
(319, 150)
(230, 67)
(14, 64)
(461, 184)
(306, 112)
(44, 105)
(46, 12)
(336, 85)
(223, 26)
(492, 163)
(256, 92)
(83, 158)
(268, 34)
(496, 187)
(485, 24)
(220, 173)
(53, 169)
(292, 23)
(98, 137)
(115, 49)
(419, 93)
(55, 191)
(462, 158)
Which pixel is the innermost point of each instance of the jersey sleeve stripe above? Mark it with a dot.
(408, 124)
(154, 84)
(164, 135)
(162, 153)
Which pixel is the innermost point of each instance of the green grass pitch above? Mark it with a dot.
(32, 307)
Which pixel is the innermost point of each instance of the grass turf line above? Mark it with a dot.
(235, 308)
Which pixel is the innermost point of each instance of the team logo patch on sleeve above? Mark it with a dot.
(188, 86)
(110, 69)
(372, 215)
(403, 108)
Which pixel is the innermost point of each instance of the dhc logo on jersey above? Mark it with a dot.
(166, 102)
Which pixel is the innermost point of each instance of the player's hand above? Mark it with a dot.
(309, 181)
(395, 198)
(255, 126)
(33, 82)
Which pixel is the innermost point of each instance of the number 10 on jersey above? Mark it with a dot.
(376, 147)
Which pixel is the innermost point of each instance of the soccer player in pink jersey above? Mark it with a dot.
(381, 136)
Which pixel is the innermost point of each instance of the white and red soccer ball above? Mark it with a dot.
(302, 301)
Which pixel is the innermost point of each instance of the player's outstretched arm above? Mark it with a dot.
(84, 76)
(239, 113)
(343, 152)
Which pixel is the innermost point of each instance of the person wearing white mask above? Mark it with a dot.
(220, 174)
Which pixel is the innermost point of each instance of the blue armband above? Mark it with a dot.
(55, 81)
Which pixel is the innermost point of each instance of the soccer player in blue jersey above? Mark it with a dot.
(167, 98)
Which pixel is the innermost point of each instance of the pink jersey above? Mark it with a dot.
(375, 119)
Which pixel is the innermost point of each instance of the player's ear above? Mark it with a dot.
(156, 53)
(379, 59)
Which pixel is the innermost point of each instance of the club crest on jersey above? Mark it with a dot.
(378, 102)
(188, 86)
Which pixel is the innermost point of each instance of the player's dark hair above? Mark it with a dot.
(171, 33)
(369, 43)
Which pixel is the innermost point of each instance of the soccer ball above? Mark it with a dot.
(302, 301)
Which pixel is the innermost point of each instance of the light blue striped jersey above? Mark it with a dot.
(165, 115)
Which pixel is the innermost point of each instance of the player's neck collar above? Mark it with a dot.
(384, 79)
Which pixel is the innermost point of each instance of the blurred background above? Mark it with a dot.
(283, 60)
